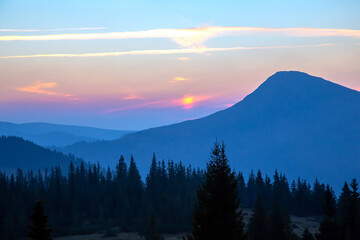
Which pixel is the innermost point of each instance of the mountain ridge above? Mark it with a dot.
(48, 134)
(294, 122)
(15, 152)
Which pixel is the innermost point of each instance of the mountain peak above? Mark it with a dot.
(294, 77)
(297, 83)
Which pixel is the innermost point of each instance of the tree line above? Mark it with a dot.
(173, 198)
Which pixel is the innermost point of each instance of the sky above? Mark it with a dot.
(140, 64)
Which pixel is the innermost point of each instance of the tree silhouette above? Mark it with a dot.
(354, 212)
(152, 229)
(39, 230)
(277, 226)
(258, 222)
(344, 211)
(217, 214)
(328, 228)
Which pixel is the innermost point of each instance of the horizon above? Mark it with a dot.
(55, 123)
(162, 63)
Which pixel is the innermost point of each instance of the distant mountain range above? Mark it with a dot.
(299, 124)
(16, 152)
(46, 134)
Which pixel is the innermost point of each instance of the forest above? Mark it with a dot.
(88, 198)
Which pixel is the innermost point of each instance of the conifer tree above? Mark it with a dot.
(134, 191)
(277, 228)
(317, 197)
(152, 229)
(258, 222)
(344, 211)
(38, 229)
(328, 227)
(288, 231)
(354, 212)
(217, 214)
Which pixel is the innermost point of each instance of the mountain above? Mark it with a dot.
(46, 134)
(299, 124)
(16, 153)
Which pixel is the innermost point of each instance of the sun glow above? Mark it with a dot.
(188, 100)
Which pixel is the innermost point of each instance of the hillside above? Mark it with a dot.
(299, 124)
(16, 153)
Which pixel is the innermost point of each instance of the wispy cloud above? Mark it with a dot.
(50, 30)
(186, 102)
(43, 88)
(132, 97)
(159, 52)
(191, 37)
(141, 105)
(183, 58)
(179, 79)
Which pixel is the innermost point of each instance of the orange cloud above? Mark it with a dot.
(41, 88)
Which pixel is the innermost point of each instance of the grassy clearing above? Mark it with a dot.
(298, 225)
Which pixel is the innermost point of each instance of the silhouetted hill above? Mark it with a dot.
(299, 124)
(46, 134)
(16, 153)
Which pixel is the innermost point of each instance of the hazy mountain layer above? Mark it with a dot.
(46, 134)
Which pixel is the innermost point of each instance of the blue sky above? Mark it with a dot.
(139, 15)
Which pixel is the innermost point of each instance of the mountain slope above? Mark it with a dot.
(46, 134)
(16, 153)
(296, 123)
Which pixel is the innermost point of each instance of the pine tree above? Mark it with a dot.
(307, 235)
(288, 231)
(328, 227)
(134, 191)
(344, 211)
(217, 214)
(258, 225)
(277, 228)
(38, 229)
(317, 197)
(152, 229)
(354, 212)
(250, 191)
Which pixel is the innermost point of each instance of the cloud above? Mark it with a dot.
(179, 79)
(158, 52)
(133, 107)
(183, 58)
(192, 37)
(186, 102)
(132, 97)
(50, 30)
(42, 88)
